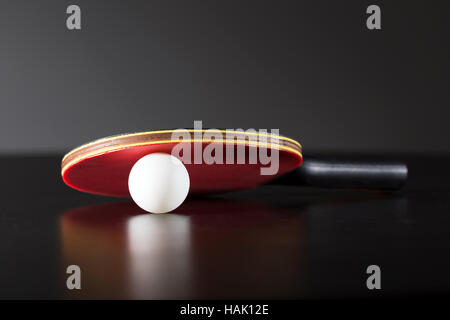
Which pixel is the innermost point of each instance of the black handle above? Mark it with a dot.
(352, 174)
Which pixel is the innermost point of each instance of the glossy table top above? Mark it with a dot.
(269, 242)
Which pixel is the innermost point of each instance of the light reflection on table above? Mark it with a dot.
(208, 248)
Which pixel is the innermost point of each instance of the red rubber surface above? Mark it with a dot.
(107, 173)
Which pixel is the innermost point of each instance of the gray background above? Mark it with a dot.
(310, 68)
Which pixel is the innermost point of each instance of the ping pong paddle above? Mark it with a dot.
(103, 166)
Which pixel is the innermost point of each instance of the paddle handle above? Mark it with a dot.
(351, 174)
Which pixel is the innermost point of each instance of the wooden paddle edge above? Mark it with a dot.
(118, 142)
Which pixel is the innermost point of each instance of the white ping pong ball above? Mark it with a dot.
(158, 182)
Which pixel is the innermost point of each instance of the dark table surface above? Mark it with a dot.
(269, 242)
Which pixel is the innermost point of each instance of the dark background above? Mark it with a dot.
(310, 68)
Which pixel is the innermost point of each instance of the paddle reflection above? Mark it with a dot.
(209, 248)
